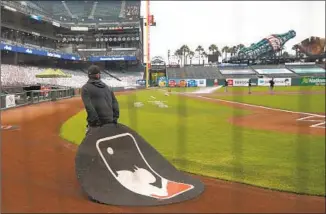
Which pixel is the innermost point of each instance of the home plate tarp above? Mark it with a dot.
(116, 166)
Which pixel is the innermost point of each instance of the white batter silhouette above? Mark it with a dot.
(140, 180)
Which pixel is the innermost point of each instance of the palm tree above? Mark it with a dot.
(233, 50)
(185, 50)
(178, 53)
(199, 49)
(191, 54)
(204, 56)
(285, 54)
(214, 50)
(241, 46)
(296, 49)
(225, 50)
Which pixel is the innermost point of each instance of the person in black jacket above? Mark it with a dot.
(249, 86)
(271, 85)
(100, 103)
(226, 84)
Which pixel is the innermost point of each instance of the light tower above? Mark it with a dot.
(149, 22)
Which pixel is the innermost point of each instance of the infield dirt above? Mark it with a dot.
(38, 172)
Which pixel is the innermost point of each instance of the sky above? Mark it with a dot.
(229, 23)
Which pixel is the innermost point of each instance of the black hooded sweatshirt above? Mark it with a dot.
(100, 103)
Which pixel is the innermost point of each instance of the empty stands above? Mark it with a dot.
(242, 71)
(194, 73)
(108, 10)
(307, 70)
(273, 71)
(12, 75)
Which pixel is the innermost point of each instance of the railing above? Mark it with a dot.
(35, 96)
(8, 101)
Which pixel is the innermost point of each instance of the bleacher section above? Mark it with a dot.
(88, 10)
(194, 73)
(273, 71)
(307, 70)
(80, 10)
(108, 10)
(12, 75)
(237, 72)
(55, 8)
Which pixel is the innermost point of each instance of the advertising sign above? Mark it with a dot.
(21, 49)
(215, 83)
(178, 83)
(191, 83)
(278, 81)
(274, 71)
(230, 72)
(10, 101)
(141, 82)
(111, 58)
(182, 83)
(231, 65)
(300, 63)
(313, 81)
(201, 82)
(172, 83)
(240, 82)
(162, 81)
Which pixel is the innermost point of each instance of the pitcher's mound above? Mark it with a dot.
(116, 166)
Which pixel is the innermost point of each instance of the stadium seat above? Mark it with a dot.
(25, 75)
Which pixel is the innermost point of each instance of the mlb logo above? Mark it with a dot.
(128, 166)
(115, 166)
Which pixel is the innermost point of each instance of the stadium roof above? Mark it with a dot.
(87, 11)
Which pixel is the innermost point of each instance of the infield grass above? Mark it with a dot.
(196, 137)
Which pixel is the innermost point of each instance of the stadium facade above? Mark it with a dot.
(108, 33)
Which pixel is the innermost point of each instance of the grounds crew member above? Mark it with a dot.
(226, 84)
(271, 85)
(100, 103)
(249, 86)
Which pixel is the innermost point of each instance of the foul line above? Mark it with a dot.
(318, 125)
(262, 107)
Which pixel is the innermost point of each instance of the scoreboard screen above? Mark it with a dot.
(158, 67)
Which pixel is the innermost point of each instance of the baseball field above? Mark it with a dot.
(259, 152)
(202, 134)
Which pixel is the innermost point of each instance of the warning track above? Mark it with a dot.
(38, 174)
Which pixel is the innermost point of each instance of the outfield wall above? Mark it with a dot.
(301, 81)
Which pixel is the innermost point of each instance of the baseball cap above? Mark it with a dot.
(93, 69)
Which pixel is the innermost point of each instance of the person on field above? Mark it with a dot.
(271, 85)
(99, 100)
(226, 84)
(249, 86)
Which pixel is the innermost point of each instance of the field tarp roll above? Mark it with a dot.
(116, 166)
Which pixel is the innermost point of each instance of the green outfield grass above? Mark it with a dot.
(213, 147)
(313, 103)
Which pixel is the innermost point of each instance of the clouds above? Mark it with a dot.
(230, 23)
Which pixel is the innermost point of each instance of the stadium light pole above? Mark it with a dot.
(147, 40)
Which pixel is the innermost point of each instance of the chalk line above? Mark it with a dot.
(262, 107)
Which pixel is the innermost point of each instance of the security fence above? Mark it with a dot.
(38, 96)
